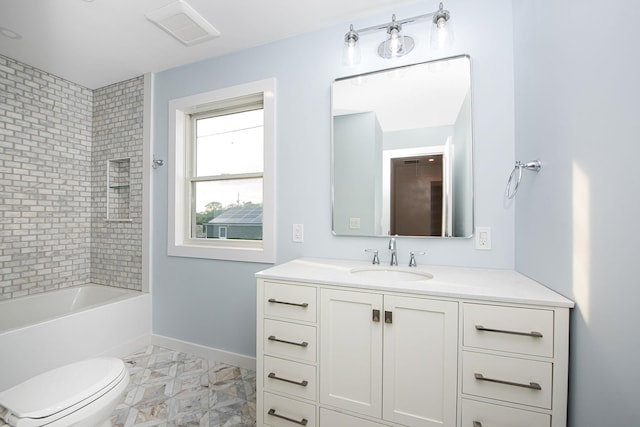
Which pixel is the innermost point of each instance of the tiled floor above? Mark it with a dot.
(170, 388)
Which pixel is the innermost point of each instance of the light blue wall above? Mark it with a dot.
(212, 303)
(577, 76)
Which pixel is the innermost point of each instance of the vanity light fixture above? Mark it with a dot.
(398, 44)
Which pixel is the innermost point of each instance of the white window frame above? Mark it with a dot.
(180, 242)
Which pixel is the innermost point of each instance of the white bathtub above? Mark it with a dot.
(44, 331)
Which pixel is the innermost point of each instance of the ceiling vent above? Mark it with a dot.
(184, 23)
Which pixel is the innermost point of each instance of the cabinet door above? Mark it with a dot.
(420, 361)
(351, 351)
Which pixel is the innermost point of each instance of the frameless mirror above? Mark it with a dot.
(402, 151)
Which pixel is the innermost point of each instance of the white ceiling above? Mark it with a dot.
(99, 42)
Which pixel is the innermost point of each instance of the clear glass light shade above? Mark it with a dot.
(441, 34)
(351, 52)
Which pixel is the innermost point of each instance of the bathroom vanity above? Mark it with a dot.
(350, 344)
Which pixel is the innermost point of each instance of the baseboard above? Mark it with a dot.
(129, 347)
(210, 353)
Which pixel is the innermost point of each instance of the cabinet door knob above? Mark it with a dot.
(477, 424)
(388, 317)
(376, 315)
(302, 422)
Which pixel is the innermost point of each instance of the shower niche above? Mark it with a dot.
(118, 189)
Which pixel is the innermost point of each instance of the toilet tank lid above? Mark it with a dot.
(61, 388)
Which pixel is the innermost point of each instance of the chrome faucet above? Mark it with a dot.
(394, 251)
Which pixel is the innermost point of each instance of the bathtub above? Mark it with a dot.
(44, 331)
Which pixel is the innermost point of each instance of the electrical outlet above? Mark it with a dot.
(298, 233)
(483, 238)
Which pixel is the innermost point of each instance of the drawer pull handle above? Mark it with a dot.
(532, 386)
(501, 331)
(300, 344)
(376, 315)
(302, 422)
(275, 301)
(477, 424)
(302, 383)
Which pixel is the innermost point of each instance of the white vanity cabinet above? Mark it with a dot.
(469, 348)
(287, 361)
(389, 357)
(514, 365)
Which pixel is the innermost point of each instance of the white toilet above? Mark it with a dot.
(82, 394)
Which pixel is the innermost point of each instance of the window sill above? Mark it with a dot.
(226, 253)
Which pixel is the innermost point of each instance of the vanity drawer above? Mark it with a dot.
(290, 301)
(290, 340)
(330, 418)
(283, 412)
(480, 414)
(510, 379)
(290, 377)
(512, 329)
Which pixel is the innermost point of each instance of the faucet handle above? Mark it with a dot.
(412, 259)
(376, 260)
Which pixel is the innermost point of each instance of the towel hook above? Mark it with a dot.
(534, 166)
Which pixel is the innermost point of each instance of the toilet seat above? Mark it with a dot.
(55, 394)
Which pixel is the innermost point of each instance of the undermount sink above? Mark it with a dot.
(391, 274)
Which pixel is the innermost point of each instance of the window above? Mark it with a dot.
(222, 185)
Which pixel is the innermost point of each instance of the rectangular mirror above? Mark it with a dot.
(402, 151)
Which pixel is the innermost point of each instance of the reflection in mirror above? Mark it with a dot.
(402, 152)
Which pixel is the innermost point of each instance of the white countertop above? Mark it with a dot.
(455, 282)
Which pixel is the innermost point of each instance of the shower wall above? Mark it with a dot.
(48, 220)
(116, 244)
(45, 196)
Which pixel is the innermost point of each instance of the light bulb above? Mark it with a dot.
(395, 45)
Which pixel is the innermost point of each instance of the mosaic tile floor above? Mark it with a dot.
(169, 388)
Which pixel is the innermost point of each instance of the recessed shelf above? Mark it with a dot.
(118, 194)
